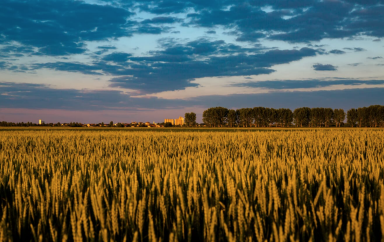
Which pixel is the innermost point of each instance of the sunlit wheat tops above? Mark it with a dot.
(151, 186)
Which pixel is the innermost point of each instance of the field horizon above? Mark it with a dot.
(184, 129)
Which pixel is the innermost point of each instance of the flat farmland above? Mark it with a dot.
(259, 185)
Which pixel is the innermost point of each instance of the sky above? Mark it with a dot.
(143, 60)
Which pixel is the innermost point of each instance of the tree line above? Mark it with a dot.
(372, 116)
(21, 124)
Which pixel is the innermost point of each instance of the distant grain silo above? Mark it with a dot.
(179, 121)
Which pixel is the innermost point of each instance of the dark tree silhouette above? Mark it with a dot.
(339, 116)
(352, 117)
(302, 116)
(190, 118)
(232, 118)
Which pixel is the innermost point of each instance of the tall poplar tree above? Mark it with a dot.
(232, 118)
(339, 116)
(352, 117)
(302, 116)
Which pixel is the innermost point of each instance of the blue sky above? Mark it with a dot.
(143, 60)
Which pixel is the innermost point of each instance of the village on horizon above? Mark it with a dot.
(167, 123)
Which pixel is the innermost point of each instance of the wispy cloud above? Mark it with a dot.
(324, 67)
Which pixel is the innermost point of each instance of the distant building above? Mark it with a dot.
(41, 122)
(179, 121)
(172, 121)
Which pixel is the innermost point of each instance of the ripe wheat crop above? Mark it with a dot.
(317, 185)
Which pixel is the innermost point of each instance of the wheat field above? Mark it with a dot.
(314, 185)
